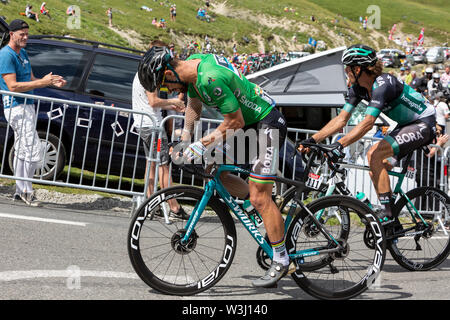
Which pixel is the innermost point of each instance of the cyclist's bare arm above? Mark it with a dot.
(165, 104)
(359, 131)
(192, 114)
(232, 121)
(333, 126)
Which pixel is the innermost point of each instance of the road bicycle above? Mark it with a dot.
(188, 257)
(419, 241)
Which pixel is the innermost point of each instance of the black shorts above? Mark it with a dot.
(260, 148)
(405, 139)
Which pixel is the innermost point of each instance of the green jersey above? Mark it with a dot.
(219, 84)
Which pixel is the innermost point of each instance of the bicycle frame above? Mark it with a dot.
(216, 185)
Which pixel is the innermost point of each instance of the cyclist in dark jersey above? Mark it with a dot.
(212, 80)
(415, 116)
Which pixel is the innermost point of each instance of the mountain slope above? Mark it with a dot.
(255, 25)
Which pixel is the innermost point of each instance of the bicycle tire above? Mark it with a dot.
(169, 267)
(434, 246)
(333, 283)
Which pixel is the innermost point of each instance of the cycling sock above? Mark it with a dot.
(279, 252)
(386, 203)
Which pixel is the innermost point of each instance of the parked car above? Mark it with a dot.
(101, 76)
(96, 73)
(390, 60)
(395, 52)
(419, 57)
(435, 55)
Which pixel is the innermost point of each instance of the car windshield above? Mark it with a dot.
(432, 51)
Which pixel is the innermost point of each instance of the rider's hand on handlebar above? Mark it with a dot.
(300, 145)
(337, 153)
(194, 151)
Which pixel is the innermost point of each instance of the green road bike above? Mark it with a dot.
(420, 241)
(188, 257)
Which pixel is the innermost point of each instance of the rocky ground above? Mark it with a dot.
(115, 205)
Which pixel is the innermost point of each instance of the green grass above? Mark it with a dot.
(226, 30)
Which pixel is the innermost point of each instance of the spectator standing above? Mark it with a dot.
(402, 74)
(109, 14)
(408, 77)
(434, 85)
(45, 11)
(442, 112)
(415, 82)
(149, 102)
(445, 77)
(17, 76)
(31, 14)
(173, 12)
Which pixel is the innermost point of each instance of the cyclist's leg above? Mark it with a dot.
(379, 174)
(270, 136)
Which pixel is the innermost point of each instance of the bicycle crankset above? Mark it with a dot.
(264, 261)
(183, 248)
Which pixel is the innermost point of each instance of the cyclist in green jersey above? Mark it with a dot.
(211, 80)
(415, 116)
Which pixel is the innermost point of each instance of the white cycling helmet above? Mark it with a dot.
(436, 75)
(429, 70)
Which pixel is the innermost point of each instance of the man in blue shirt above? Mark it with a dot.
(17, 76)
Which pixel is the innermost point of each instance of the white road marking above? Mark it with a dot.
(14, 216)
(32, 274)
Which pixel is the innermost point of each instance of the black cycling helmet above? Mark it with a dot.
(152, 67)
(359, 55)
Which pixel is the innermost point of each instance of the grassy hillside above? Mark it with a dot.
(264, 23)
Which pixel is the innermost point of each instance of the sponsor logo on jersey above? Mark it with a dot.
(217, 91)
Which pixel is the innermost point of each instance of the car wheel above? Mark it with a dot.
(52, 160)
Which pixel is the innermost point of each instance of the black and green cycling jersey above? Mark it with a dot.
(219, 84)
(394, 98)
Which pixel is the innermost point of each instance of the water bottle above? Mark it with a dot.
(252, 213)
(362, 197)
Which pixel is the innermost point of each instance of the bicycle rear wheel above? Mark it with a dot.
(166, 264)
(429, 248)
(344, 274)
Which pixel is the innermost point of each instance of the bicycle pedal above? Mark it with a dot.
(292, 268)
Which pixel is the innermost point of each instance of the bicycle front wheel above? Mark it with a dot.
(421, 247)
(351, 270)
(167, 264)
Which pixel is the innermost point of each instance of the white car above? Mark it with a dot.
(436, 55)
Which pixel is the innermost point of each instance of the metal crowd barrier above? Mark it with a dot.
(92, 137)
(103, 140)
(422, 171)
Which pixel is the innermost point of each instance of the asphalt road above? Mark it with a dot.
(52, 252)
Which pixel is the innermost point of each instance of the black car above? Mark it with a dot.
(92, 139)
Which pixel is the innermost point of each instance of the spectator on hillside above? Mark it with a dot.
(434, 85)
(162, 23)
(415, 82)
(45, 11)
(70, 11)
(423, 85)
(445, 77)
(408, 77)
(173, 12)
(109, 14)
(442, 112)
(402, 74)
(207, 3)
(31, 14)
